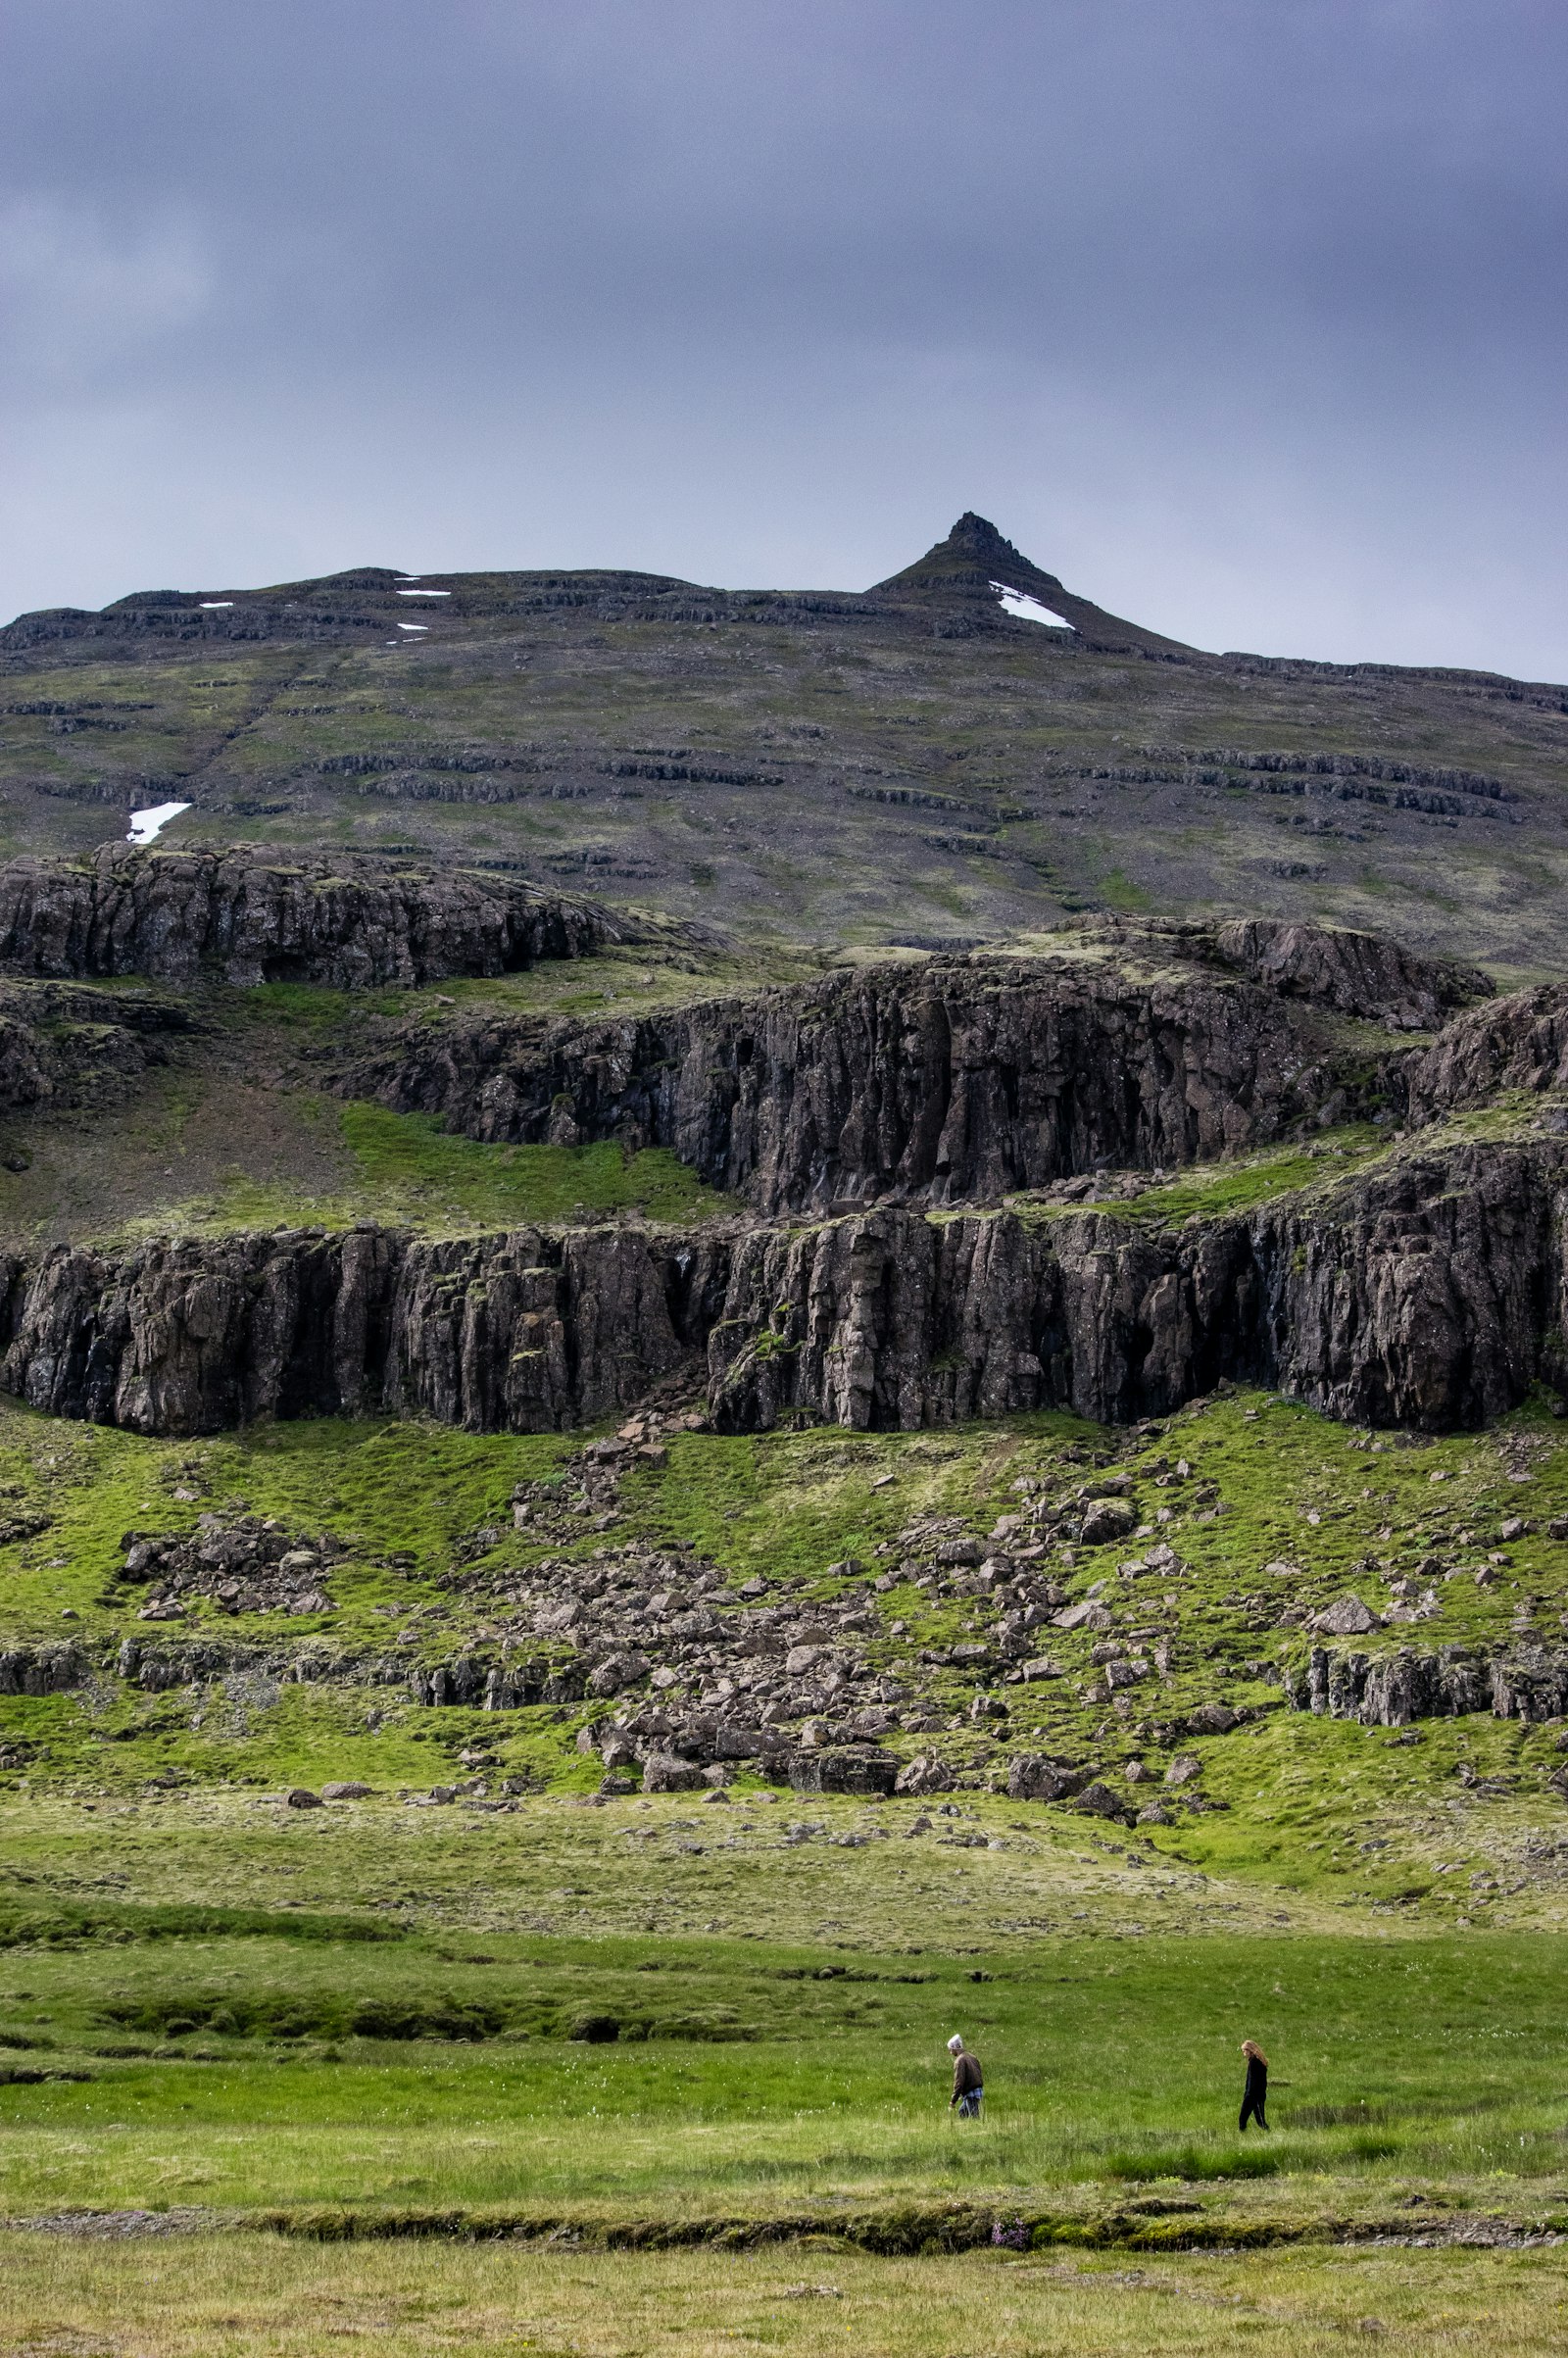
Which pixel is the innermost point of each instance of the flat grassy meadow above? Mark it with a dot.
(252, 2296)
(544, 2069)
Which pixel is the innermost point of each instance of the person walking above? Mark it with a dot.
(1254, 2095)
(968, 2085)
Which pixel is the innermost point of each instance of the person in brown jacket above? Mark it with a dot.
(968, 2086)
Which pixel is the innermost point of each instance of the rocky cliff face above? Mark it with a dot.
(1429, 1294)
(239, 916)
(952, 1082)
(1355, 973)
(1427, 1291)
(1527, 1681)
(523, 1332)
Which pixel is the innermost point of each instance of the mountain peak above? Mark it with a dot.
(972, 570)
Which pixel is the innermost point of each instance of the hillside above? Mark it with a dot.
(721, 1314)
(920, 763)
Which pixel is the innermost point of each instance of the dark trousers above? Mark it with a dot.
(1253, 2109)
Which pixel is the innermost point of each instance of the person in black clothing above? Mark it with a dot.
(968, 2083)
(1255, 2094)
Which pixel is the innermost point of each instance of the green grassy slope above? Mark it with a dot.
(820, 777)
(1382, 1913)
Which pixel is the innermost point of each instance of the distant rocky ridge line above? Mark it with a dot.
(246, 916)
(950, 591)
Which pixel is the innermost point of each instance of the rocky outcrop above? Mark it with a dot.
(521, 1332)
(1529, 1683)
(1428, 1293)
(42, 1669)
(1518, 1043)
(1356, 973)
(245, 916)
(951, 1082)
(63, 1046)
(957, 583)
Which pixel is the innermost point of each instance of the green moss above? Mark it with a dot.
(1119, 892)
(1211, 1191)
(407, 1169)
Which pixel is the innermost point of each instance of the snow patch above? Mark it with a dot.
(145, 824)
(403, 593)
(213, 606)
(418, 627)
(1025, 608)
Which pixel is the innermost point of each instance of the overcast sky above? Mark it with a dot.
(1248, 319)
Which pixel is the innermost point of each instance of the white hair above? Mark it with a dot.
(955, 2044)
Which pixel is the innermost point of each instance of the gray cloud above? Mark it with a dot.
(1246, 321)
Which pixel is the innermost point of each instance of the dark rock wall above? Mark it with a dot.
(957, 1081)
(1518, 1043)
(242, 916)
(65, 1046)
(521, 1333)
(1390, 1689)
(1356, 973)
(953, 1082)
(1430, 1295)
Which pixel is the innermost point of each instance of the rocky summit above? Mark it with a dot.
(891, 1195)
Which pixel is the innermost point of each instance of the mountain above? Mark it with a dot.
(924, 1198)
(926, 763)
(965, 574)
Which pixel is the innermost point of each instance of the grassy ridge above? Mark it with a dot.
(1279, 1511)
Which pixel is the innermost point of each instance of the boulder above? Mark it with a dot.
(346, 1789)
(1089, 1613)
(1184, 1768)
(1345, 1618)
(1031, 1777)
(667, 1773)
(925, 1774)
(1098, 1801)
(734, 1741)
(617, 1672)
(843, 1769)
(1108, 1519)
(300, 1796)
(1212, 1719)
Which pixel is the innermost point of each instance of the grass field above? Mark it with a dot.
(184, 2297)
(666, 2076)
(262, 2026)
